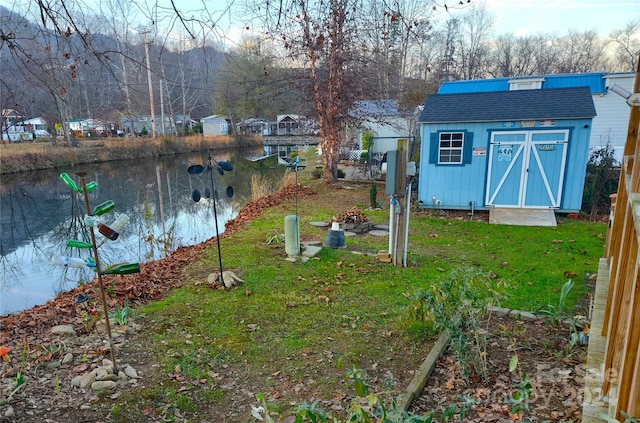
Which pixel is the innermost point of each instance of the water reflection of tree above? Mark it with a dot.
(27, 211)
(39, 217)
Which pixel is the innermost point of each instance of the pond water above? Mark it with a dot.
(39, 214)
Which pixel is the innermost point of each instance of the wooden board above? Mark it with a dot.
(522, 216)
(593, 406)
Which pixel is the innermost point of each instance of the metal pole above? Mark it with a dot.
(392, 212)
(407, 209)
(98, 271)
(215, 216)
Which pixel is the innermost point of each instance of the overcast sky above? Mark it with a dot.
(523, 17)
(520, 17)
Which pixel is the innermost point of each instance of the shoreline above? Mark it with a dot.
(30, 156)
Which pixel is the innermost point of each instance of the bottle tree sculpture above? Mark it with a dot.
(91, 221)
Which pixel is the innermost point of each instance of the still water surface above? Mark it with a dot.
(39, 213)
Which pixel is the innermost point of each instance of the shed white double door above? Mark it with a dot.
(526, 168)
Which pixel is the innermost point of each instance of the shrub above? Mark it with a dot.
(456, 304)
(601, 180)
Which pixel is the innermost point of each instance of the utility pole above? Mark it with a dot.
(151, 104)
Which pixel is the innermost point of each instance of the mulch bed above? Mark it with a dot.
(555, 368)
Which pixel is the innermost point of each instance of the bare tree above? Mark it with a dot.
(513, 56)
(116, 18)
(319, 33)
(581, 52)
(472, 42)
(49, 61)
(627, 46)
(391, 36)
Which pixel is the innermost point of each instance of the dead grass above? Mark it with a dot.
(24, 157)
(289, 178)
(261, 186)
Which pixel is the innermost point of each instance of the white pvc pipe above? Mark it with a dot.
(391, 213)
(406, 225)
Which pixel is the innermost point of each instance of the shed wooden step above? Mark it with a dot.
(522, 216)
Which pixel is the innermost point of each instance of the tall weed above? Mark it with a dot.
(289, 178)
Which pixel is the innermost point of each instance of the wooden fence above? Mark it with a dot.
(621, 363)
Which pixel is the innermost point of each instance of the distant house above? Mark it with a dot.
(507, 149)
(610, 124)
(25, 130)
(184, 122)
(214, 125)
(137, 124)
(89, 126)
(384, 120)
(10, 117)
(295, 125)
(35, 124)
(256, 126)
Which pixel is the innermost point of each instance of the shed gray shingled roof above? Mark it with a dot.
(560, 103)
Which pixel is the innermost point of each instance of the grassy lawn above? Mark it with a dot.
(293, 329)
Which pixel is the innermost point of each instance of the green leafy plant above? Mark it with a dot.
(56, 347)
(263, 410)
(359, 382)
(461, 408)
(274, 239)
(14, 386)
(309, 411)
(520, 399)
(601, 180)
(628, 418)
(456, 304)
(18, 382)
(556, 313)
(373, 195)
(367, 140)
(121, 315)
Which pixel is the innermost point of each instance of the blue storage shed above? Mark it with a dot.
(511, 149)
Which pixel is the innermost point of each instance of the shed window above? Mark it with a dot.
(450, 147)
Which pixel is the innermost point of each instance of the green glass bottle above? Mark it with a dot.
(103, 208)
(78, 244)
(69, 182)
(121, 269)
(91, 186)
